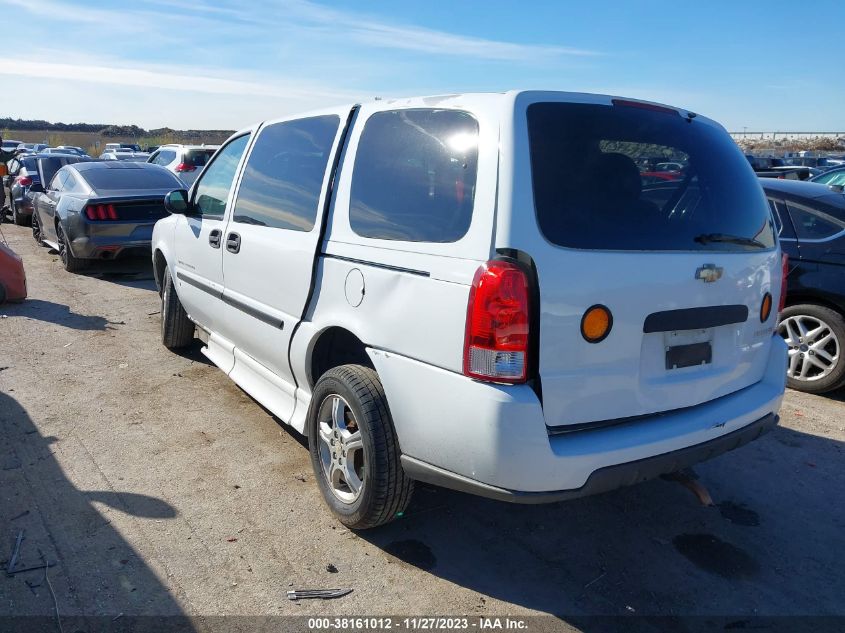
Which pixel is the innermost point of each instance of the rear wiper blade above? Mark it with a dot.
(709, 238)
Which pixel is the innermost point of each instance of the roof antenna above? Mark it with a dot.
(691, 116)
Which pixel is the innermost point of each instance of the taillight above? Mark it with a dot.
(24, 181)
(497, 327)
(101, 212)
(185, 167)
(785, 263)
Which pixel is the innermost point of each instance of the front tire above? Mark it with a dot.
(816, 337)
(354, 449)
(36, 229)
(72, 264)
(177, 330)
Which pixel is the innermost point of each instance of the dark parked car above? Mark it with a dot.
(811, 220)
(23, 172)
(100, 210)
(835, 176)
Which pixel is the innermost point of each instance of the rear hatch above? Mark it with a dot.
(682, 266)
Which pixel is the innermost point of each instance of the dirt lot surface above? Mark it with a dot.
(158, 487)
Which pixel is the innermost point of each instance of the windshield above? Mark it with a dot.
(117, 179)
(631, 178)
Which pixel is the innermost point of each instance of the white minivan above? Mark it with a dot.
(481, 292)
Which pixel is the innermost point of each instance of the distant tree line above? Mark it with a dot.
(104, 129)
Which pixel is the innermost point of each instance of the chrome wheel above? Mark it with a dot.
(813, 347)
(341, 449)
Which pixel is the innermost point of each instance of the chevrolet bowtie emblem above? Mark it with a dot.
(709, 273)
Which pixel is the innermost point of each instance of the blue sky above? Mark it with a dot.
(771, 65)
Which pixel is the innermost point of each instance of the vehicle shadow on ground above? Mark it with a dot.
(132, 272)
(95, 572)
(57, 313)
(772, 544)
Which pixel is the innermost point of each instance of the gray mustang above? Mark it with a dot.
(100, 210)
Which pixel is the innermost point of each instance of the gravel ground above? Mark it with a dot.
(158, 487)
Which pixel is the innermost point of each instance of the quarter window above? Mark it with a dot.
(212, 190)
(284, 174)
(415, 175)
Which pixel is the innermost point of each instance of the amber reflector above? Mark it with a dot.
(765, 308)
(596, 324)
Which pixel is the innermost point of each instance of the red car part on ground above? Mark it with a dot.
(12, 276)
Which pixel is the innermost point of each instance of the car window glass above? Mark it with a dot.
(622, 177)
(166, 157)
(284, 174)
(13, 166)
(414, 176)
(813, 224)
(198, 157)
(57, 183)
(782, 222)
(69, 183)
(212, 190)
(835, 178)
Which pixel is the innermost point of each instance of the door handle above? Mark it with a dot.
(233, 243)
(214, 238)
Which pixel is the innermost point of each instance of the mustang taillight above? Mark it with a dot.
(181, 167)
(24, 181)
(785, 263)
(101, 212)
(497, 327)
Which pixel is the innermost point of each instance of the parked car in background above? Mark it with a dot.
(9, 145)
(32, 148)
(23, 172)
(835, 177)
(125, 155)
(186, 161)
(477, 291)
(72, 149)
(768, 167)
(810, 218)
(94, 210)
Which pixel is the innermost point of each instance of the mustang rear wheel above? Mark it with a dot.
(72, 264)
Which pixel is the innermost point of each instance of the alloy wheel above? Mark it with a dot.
(341, 449)
(813, 347)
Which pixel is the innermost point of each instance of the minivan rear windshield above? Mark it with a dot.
(617, 177)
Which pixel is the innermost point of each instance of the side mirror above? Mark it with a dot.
(36, 187)
(177, 202)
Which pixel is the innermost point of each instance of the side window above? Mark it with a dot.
(70, 183)
(154, 158)
(414, 176)
(783, 225)
(58, 181)
(813, 224)
(284, 174)
(212, 190)
(14, 167)
(166, 157)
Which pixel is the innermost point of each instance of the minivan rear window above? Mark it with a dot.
(620, 177)
(414, 176)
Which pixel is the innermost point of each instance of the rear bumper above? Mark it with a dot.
(493, 440)
(603, 479)
(109, 240)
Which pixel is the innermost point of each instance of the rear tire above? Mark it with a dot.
(349, 418)
(16, 217)
(72, 264)
(816, 338)
(177, 330)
